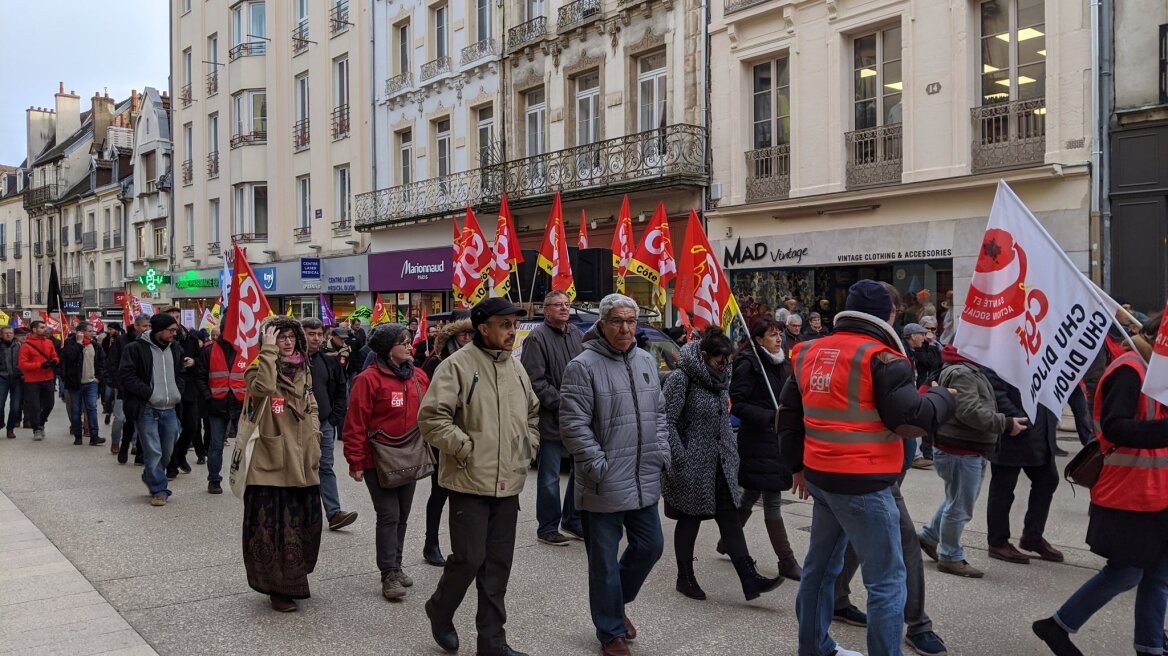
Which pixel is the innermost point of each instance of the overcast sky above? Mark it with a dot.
(90, 45)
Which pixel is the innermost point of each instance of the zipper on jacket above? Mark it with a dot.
(473, 383)
(637, 411)
(499, 423)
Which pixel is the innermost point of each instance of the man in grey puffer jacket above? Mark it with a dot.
(612, 421)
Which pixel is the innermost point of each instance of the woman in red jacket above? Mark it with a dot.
(385, 397)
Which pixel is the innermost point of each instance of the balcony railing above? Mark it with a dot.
(249, 138)
(768, 173)
(36, 198)
(1009, 134)
(38, 249)
(303, 233)
(105, 242)
(874, 156)
(477, 51)
(250, 237)
(342, 228)
(340, 122)
(89, 240)
(732, 6)
(249, 49)
(339, 17)
(17, 249)
(213, 82)
(577, 13)
(71, 286)
(213, 164)
(300, 135)
(188, 172)
(434, 68)
(300, 38)
(185, 95)
(527, 33)
(189, 252)
(665, 157)
(213, 248)
(50, 247)
(398, 82)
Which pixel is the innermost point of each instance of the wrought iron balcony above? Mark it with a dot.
(300, 135)
(339, 17)
(249, 49)
(50, 247)
(188, 172)
(189, 252)
(36, 198)
(1009, 134)
(340, 122)
(213, 248)
(105, 242)
(71, 286)
(768, 173)
(213, 164)
(185, 95)
(577, 13)
(398, 83)
(874, 156)
(527, 33)
(213, 82)
(250, 237)
(17, 249)
(732, 6)
(342, 228)
(426, 198)
(303, 233)
(249, 138)
(434, 68)
(477, 51)
(300, 38)
(89, 240)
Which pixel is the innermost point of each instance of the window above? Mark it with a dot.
(342, 190)
(213, 217)
(651, 91)
(405, 147)
(587, 108)
(213, 133)
(535, 116)
(303, 201)
(189, 217)
(160, 249)
(300, 129)
(18, 235)
(482, 20)
(248, 27)
(535, 9)
(1164, 64)
(772, 104)
(1013, 50)
(109, 274)
(876, 79)
(341, 82)
(250, 109)
(213, 53)
(485, 133)
(251, 210)
(186, 67)
(442, 147)
(302, 12)
(91, 220)
(259, 209)
(440, 31)
(186, 6)
(188, 144)
(403, 48)
(140, 240)
(105, 215)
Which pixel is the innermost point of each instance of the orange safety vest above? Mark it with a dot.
(1131, 479)
(844, 433)
(222, 378)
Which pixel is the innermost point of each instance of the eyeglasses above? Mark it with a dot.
(560, 306)
(505, 325)
(618, 323)
(285, 338)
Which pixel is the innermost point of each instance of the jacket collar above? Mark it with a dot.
(594, 340)
(496, 355)
(870, 326)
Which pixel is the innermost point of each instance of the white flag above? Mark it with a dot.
(1156, 380)
(1030, 315)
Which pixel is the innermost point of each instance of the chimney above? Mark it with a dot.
(41, 125)
(134, 101)
(103, 116)
(68, 114)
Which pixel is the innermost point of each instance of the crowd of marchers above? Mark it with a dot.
(834, 413)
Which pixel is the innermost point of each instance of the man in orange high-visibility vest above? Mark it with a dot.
(843, 418)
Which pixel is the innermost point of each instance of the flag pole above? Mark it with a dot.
(754, 347)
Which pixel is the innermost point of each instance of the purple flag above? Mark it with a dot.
(326, 313)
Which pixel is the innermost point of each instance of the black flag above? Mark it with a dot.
(56, 301)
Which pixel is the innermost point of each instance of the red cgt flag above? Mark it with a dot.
(423, 328)
(246, 308)
(505, 254)
(702, 288)
(654, 258)
(553, 253)
(582, 235)
(472, 260)
(622, 244)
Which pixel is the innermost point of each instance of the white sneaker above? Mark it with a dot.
(840, 651)
(37, 436)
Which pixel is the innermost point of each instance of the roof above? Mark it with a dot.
(78, 190)
(160, 107)
(58, 150)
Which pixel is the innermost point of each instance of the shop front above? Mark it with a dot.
(409, 281)
(343, 282)
(197, 289)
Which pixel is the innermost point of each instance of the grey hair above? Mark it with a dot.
(140, 318)
(794, 318)
(928, 319)
(614, 301)
(311, 323)
(552, 294)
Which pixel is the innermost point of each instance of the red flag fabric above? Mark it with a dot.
(472, 260)
(53, 324)
(380, 314)
(654, 260)
(703, 289)
(246, 308)
(622, 244)
(582, 235)
(96, 323)
(127, 314)
(423, 328)
(505, 253)
(553, 253)
(457, 234)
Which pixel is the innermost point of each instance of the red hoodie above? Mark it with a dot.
(34, 354)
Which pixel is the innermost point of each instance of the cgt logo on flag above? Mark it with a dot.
(998, 292)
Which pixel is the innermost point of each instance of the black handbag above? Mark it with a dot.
(1085, 467)
(401, 459)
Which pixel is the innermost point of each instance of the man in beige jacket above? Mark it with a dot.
(482, 415)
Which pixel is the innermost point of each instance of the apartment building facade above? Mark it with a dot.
(271, 122)
(866, 139)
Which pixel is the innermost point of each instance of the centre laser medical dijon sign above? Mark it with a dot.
(1030, 315)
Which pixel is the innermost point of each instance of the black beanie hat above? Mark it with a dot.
(384, 337)
(869, 297)
(161, 321)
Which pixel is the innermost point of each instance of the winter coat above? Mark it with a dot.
(9, 360)
(612, 421)
(227, 406)
(142, 381)
(113, 358)
(73, 362)
(482, 415)
(287, 447)
(789, 341)
(927, 362)
(762, 466)
(445, 344)
(701, 442)
(546, 353)
(380, 400)
(1034, 446)
(1138, 539)
(190, 347)
(36, 352)
(976, 425)
(328, 384)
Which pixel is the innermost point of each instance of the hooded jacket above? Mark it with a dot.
(762, 466)
(482, 415)
(445, 344)
(547, 350)
(287, 450)
(612, 420)
(148, 375)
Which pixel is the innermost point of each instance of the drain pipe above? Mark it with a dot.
(1105, 70)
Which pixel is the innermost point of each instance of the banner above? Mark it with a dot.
(653, 260)
(553, 252)
(326, 313)
(702, 288)
(96, 323)
(1156, 380)
(423, 329)
(246, 308)
(505, 254)
(582, 235)
(471, 261)
(1030, 315)
(380, 315)
(622, 245)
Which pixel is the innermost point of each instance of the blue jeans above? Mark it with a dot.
(547, 492)
(871, 522)
(157, 430)
(119, 422)
(1113, 580)
(218, 425)
(962, 476)
(84, 400)
(329, 496)
(12, 392)
(613, 582)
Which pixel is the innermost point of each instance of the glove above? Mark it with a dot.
(48, 364)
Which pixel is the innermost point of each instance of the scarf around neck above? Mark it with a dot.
(403, 371)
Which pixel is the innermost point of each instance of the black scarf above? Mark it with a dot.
(404, 371)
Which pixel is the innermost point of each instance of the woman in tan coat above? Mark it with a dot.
(281, 507)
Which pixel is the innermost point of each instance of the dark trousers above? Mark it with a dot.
(191, 434)
(1044, 480)
(482, 539)
(615, 579)
(392, 506)
(12, 391)
(685, 535)
(434, 507)
(38, 402)
(1081, 410)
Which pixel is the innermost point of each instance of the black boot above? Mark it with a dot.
(687, 583)
(753, 584)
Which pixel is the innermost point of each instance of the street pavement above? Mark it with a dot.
(176, 576)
